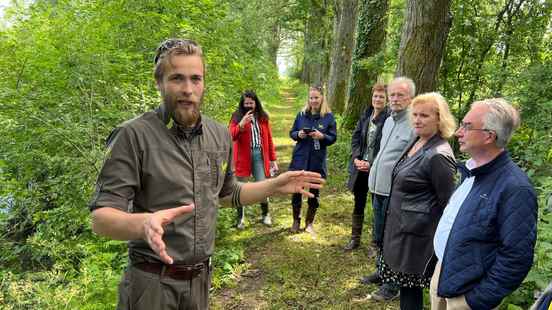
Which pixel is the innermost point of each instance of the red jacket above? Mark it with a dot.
(242, 147)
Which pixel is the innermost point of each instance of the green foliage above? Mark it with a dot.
(71, 71)
(339, 157)
(491, 43)
(532, 146)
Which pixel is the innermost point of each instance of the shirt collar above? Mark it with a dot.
(469, 169)
(186, 132)
(312, 115)
(399, 115)
(167, 118)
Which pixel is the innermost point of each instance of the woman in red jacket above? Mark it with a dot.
(254, 152)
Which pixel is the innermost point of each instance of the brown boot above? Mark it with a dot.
(356, 232)
(311, 212)
(296, 218)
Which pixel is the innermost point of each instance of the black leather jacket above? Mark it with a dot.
(421, 187)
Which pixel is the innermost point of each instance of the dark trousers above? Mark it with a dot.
(379, 205)
(141, 290)
(360, 192)
(297, 199)
(412, 298)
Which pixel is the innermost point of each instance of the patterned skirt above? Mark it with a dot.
(388, 275)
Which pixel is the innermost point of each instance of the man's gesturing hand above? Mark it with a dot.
(153, 229)
(297, 182)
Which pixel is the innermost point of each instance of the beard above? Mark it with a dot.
(183, 111)
(188, 116)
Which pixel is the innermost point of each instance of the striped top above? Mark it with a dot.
(255, 134)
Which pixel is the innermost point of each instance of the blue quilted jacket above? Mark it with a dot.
(490, 247)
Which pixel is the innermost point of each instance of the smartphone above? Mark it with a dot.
(307, 130)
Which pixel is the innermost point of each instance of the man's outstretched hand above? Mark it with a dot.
(153, 229)
(297, 182)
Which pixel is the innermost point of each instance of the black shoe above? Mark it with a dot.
(385, 293)
(374, 278)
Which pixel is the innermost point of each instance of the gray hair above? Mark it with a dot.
(502, 118)
(408, 82)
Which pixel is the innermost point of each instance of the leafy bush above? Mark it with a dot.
(75, 70)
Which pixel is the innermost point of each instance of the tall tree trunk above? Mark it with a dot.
(315, 46)
(342, 51)
(423, 40)
(274, 42)
(368, 57)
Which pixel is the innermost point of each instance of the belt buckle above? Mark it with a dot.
(199, 266)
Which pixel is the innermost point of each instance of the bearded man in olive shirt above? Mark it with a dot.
(160, 186)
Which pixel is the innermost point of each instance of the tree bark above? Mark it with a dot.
(342, 51)
(423, 40)
(315, 44)
(368, 57)
(274, 43)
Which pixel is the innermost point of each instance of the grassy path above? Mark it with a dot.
(300, 271)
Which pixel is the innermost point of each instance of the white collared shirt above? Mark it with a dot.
(451, 211)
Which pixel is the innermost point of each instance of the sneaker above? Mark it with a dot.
(267, 220)
(374, 278)
(385, 293)
(241, 224)
(310, 229)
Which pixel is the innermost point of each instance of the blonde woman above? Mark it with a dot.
(314, 129)
(422, 183)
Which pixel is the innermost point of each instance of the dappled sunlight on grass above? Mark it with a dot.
(284, 142)
(283, 107)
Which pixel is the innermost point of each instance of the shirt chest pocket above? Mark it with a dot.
(215, 168)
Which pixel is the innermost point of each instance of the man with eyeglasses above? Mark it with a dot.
(485, 239)
(160, 186)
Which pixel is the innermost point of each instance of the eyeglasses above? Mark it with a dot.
(170, 44)
(468, 127)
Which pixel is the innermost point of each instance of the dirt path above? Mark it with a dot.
(300, 271)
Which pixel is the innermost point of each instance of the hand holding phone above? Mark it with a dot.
(246, 118)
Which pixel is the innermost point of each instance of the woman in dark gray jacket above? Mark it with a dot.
(423, 181)
(365, 145)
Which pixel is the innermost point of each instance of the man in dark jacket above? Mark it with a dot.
(486, 237)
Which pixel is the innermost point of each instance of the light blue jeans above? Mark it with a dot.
(257, 169)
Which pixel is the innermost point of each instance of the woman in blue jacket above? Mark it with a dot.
(313, 130)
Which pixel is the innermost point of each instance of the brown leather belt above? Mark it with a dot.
(177, 272)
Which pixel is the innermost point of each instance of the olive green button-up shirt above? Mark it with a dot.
(151, 166)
